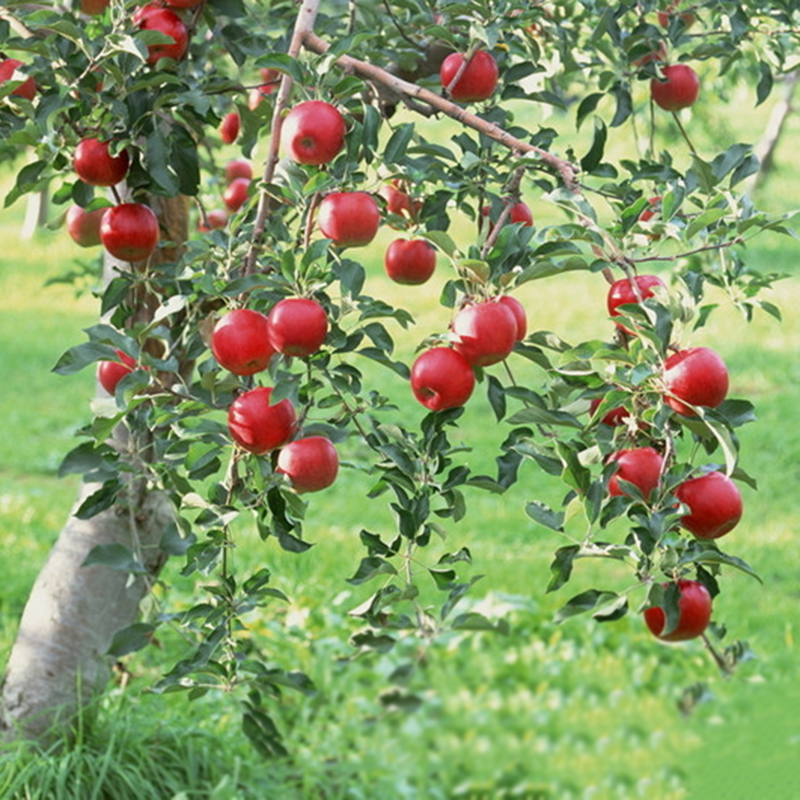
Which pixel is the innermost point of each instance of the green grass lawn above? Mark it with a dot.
(571, 711)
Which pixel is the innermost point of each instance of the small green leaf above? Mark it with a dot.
(561, 568)
(370, 567)
(546, 516)
(129, 640)
(114, 556)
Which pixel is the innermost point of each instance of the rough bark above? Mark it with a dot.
(59, 660)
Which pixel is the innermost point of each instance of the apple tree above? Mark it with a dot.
(238, 346)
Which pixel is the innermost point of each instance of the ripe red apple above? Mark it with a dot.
(271, 78)
(520, 213)
(297, 326)
(313, 132)
(129, 231)
(350, 219)
(144, 11)
(311, 463)
(623, 292)
(670, 11)
(478, 80)
(236, 194)
(518, 310)
(614, 416)
(715, 505)
(256, 425)
(640, 466)
(694, 613)
(441, 378)
(170, 24)
(679, 89)
(27, 88)
(410, 261)
(697, 376)
(486, 332)
(110, 373)
(238, 168)
(229, 127)
(398, 201)
(84, 226)
(217, 218)
(240, 342)
(93, 7)
(94, 164)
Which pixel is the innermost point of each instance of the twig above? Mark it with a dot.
(686, 254)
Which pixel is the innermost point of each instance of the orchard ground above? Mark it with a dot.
(576, 710)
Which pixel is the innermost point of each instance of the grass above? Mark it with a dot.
(572, 711)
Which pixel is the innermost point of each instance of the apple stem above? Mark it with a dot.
(718, 659)
(683, 132)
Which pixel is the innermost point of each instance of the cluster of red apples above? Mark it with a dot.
(692, 378)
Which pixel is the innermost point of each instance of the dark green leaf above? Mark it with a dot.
(129, 640)
(114, 556)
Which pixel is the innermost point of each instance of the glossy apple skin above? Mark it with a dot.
(313, 132)
(715, 505)
(679, 89)
(613, 417)
(694, 607)
(697, 376)
(217, 218)
(442, 378)
(486, 332)
(520, 213)
(622, 292)
(410, 262)
(350, 219)
(238, 168)
(236, 194)
(110, 373)
(478, 80)
(169, 23)
(229, 127)
(240, 342)
(518, 310)
(256, 425)
(297, 326)
(640, 466)
(94, 164)
(129, 231)
(27, 88)
(399, 202)
(311, 464)
(83, 226)
(93, 7)
(271, 78)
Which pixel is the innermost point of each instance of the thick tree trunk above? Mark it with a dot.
(59, 660)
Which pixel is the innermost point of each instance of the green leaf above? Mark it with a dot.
(114, 556)
(534, 415)
(561, 568)
(714, 556)
(546, 516)
(765, 82)
(100, 500)
(585, 601)
(443, 578)
(370, 567)
(398, 142)
(473, 621)
(443, 241)
(80, 356)
(129, 640)
(595, 155)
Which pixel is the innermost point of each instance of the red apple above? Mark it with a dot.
(129, 231)
(238, 168)
(94, 164)
(640, 466)
(410, 261)
(311, 463)
(350, 219)
(236, 194)
(229, 128)
(313, 132)
(441, 378)
(297, 326)
(518, 310)
(258, 426)
(271, 78)
(520, 213)
(715, 505)
(613, 417)
(84, 226)
(485, 332)
(649, 213)
(623, 292)
(398, 201)
(144, 11)
(670, 11)
(478, 80)
(27, 88)
(170, 24)
(240, 342)
(217, 218)
(694, 613)
(93, 7)
(697, 376)
(679, 89)
(110, 373)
